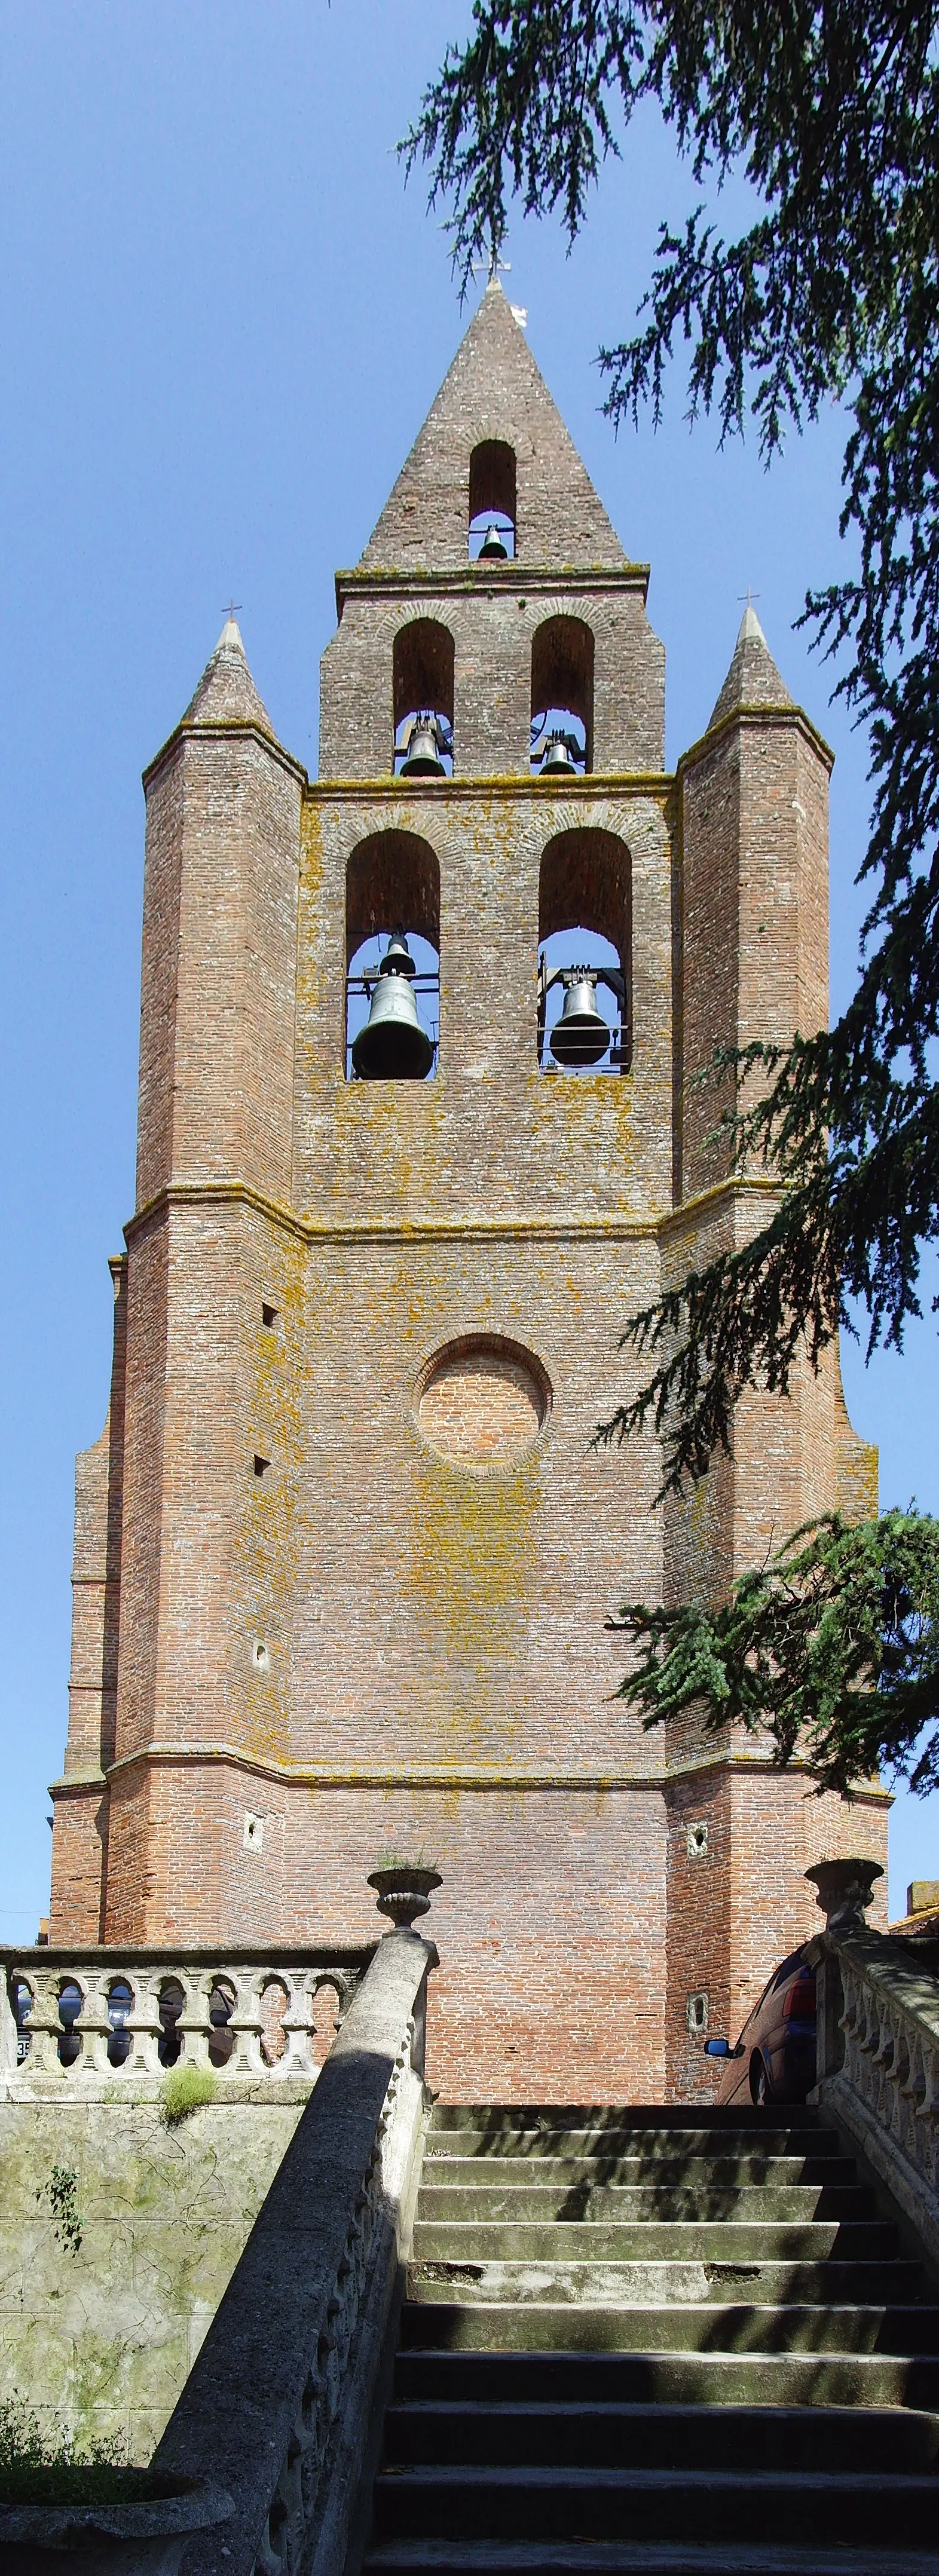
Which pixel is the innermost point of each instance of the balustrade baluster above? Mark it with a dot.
(299, 2023)
(194, 2026)
(93, 2026)
(143, 2021)
(44, 2026)
(245, 2022)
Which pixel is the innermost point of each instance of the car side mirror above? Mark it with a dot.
(717, 2048)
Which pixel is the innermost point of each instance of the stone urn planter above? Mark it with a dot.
(146, 2538)
(405, 1890)
(843, 1891)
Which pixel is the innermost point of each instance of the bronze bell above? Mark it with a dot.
(393, 1047)
(423, 754)
(581, 1035)
(493, 548)
(557, 761)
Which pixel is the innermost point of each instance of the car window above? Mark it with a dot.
(779, 1978)
(787, 1970)
(757, 2007)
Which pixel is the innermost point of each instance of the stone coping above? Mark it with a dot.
(190, 1954)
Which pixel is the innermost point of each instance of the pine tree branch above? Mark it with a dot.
(831, 1652)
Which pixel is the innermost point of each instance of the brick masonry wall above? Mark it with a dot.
(493, 618)
(737, 1898)
(493, 391)
(488, 1133)
(550, 1922)
(334, 1631)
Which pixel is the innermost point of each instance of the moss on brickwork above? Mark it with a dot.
(474, 1573)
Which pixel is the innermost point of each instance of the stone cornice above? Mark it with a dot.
(592, 783)
(618, 1227)
(391, 582)
(591, 786)
(233, 732)
(756, 719)
(454, 1775)
(76, 1784)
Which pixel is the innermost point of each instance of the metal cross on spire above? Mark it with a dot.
(747, 597)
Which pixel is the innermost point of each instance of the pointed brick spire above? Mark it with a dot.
(226, 693)
(752, 680)
(493, 390)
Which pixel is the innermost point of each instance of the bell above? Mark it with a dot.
(557, 762)
(393, 1047)
(493, 548)
(581, 1035)
(423, 760)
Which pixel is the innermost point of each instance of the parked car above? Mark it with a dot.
(774, 2058)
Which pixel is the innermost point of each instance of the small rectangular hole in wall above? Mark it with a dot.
(696, 2012)
(696, 1841)
(269, 1316)
(260, 1656)
(261, 1465)
(253, 1834)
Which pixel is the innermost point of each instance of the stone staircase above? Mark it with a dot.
(667, 2340)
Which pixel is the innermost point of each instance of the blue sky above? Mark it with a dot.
(223, 318)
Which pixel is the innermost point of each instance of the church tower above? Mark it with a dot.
(345, 1551)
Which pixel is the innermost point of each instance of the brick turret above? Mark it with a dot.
(754, 834)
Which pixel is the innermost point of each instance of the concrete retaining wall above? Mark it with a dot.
(104, 2339)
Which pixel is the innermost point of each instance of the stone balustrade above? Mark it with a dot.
(877, 2068)
(286, 2396)
(75, 2019)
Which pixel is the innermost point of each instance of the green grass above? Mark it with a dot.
(183, 2089)
(57, 2467)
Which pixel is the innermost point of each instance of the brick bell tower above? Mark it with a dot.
(344, 1551)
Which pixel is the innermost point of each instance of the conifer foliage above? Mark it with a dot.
(831, 1649)
(832, 111)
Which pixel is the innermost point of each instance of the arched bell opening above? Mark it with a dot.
(492, 503)
(392, 959)
(562, 698)
(422, 691)
(584, 1020)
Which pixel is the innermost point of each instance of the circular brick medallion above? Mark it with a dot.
(481, 1404)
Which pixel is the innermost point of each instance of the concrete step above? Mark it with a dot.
(699, 2379)
(545, 2324)
(558, 2503)
(552, 2233)
(656, 2201)
(603, 2281)
(587, 2433)
(652, 2341)
(659, 2120)
(493, 2202)
(441, 2169)
(712, 2557)
(551, 2134)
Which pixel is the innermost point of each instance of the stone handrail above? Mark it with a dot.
(877, 2067)
(284, 2401)
(135, 2042)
